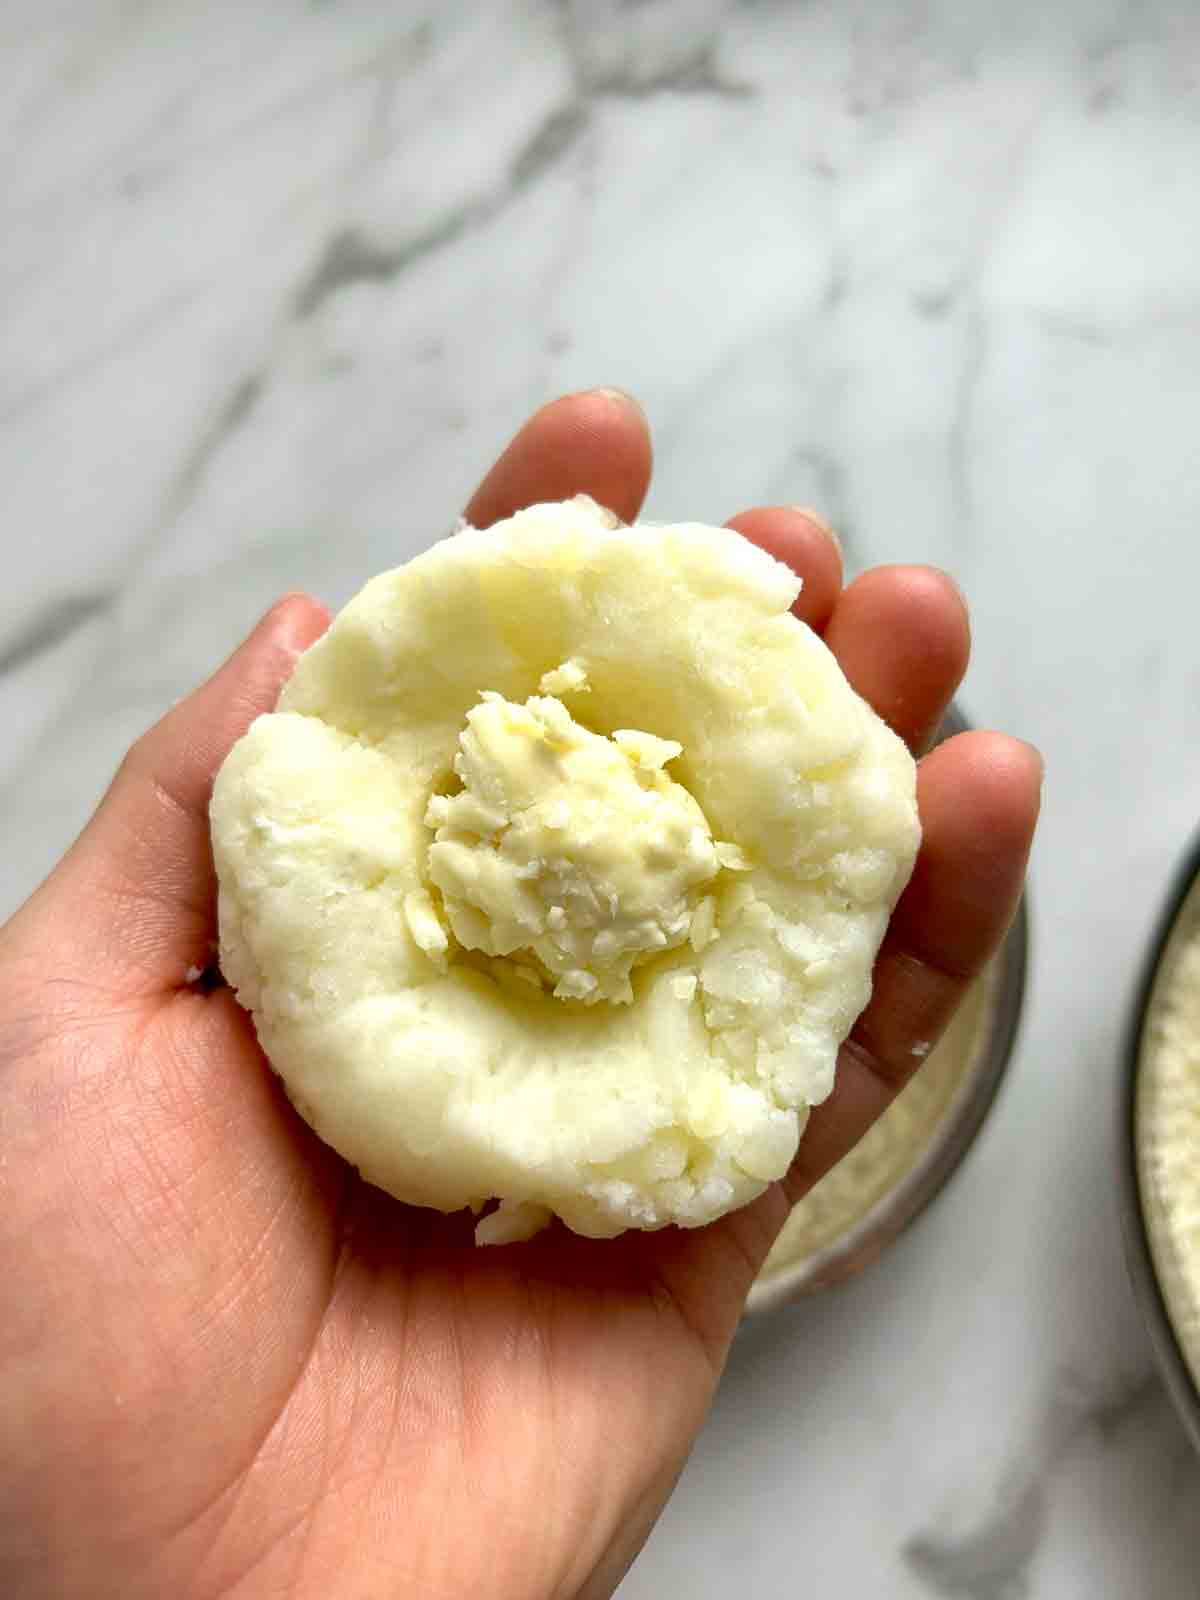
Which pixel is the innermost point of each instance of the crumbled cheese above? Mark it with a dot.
(568, 678)
(597, 860)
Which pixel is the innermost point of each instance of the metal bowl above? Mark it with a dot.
(1181, 915)
(870, 1233)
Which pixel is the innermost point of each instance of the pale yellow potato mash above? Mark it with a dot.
(557, 877)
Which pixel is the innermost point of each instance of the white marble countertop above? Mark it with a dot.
(275, 281)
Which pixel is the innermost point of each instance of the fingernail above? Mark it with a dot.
(811, 516)
(1037, 756)
(622, 397)
(954, 584)
(295, 621)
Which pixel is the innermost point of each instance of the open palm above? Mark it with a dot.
(228, 1366)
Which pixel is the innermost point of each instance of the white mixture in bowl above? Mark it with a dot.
(1167, 1128)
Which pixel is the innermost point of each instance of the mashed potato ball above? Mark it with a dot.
(557, 877)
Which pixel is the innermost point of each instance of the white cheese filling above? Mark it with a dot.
(573, 853)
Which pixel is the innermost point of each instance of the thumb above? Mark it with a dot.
(133, 903)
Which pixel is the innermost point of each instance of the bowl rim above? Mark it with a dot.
(900, 1206)
(1139, 1260)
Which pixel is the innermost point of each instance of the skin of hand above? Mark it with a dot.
(230, 1367)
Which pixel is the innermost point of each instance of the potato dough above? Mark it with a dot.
(558, 875)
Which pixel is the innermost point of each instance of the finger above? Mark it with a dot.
(903, 638)
(596, 443)
(979, 796)
(803, 542)
(141, 873)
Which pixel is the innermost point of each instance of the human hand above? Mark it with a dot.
(230, 1367)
